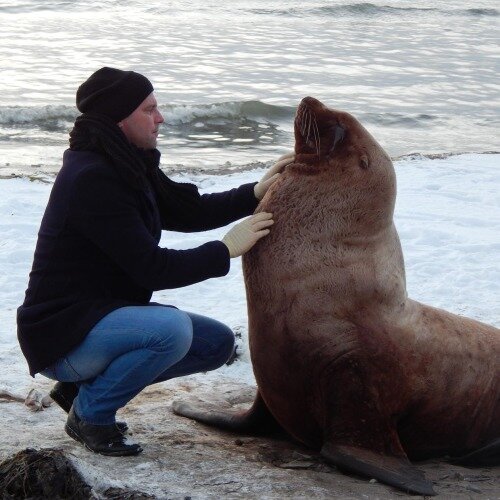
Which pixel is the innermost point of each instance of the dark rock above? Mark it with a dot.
(45, 473)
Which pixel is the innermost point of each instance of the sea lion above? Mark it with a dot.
(344, 361)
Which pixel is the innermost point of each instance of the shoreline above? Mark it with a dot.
(48, 176)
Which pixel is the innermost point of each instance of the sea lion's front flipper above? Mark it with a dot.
(392, 470)
(256, 420)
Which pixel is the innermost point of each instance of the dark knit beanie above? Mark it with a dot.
(113, 92)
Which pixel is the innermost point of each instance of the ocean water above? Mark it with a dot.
(422, 76)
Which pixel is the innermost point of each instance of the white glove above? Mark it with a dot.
(246, 233)
(272, 175)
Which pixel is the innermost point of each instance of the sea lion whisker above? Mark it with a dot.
(309, 122)
(303, 125)
(306, 124)
(301, 121)
(317, 137)
(297, 118)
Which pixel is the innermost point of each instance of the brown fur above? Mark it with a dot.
(344, 361)
(337, 347)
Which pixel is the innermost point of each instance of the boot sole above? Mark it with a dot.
(76, 436)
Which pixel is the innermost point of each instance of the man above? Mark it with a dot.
(87, 320)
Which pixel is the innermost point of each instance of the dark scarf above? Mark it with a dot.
(139, 168)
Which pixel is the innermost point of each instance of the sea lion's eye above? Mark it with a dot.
(363, 162)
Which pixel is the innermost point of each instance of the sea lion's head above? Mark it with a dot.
(358, 173)
(323, 133)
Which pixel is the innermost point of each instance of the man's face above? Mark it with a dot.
(141, 127)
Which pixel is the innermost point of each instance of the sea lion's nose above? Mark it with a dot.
(310, 101)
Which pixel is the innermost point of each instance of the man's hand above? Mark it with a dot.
(272, 175)
(246, 233)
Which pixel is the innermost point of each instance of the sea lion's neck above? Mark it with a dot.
(317, 224)
(325, 207)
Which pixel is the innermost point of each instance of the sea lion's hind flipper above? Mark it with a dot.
(257, 420)
(391, 470)
(487, 456)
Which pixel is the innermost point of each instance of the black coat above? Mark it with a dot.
(97, 250)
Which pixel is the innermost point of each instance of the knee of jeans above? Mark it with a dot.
(184, 337)
(174, 334)
(227, 343)
(224, 349)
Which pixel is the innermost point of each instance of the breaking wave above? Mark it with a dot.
(54, 116)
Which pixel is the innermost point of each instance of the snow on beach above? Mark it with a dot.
(448, 218)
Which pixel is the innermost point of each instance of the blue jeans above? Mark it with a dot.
(133, 347)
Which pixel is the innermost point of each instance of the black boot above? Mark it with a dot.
(103, 439)
(63, 393)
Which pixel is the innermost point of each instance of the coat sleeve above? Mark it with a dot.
(215, 210)
(107, 213)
